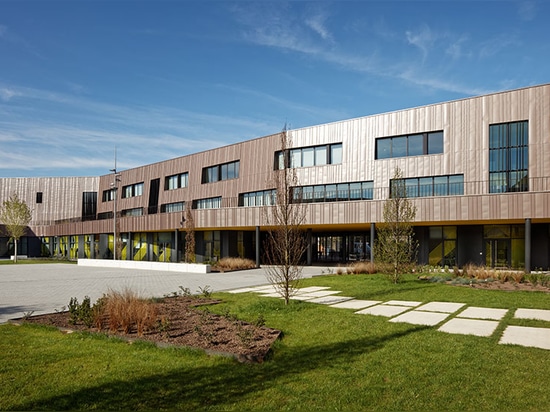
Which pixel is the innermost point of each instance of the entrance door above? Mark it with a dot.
(497, 253)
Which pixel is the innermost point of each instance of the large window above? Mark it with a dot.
(340, 192)
(210, 203)
(108, 195)
(442, 246)
(224, 171)
(409, 145)
(176, 181)
(450, 185)
(172, 207)
(509, 157)
(132, 190)
(137, 211)
(328, 154)
(260, 198)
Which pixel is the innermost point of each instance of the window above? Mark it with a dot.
(310, 156)
(176, 181)
(89, 205)
(38, 197)
(452, 185)
(138, 211)
(409, 145)
(210, 203)
(132, 190)
(108, 195)
(172, 207)
(260, 198)
(341, 192)
(442, 246)
(509, 157)
(224, 171)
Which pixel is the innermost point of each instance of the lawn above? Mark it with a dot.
(328, 359)
(35, 261)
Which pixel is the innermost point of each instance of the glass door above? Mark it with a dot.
(497, 253)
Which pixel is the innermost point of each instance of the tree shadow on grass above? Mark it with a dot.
(219, 386)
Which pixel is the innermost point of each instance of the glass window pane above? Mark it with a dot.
(497, 182)
(441, 187)
(307, 194)
(449, 232)
(411, 187)
(319, 193)
(416, 144)
(355, 191)
(321, 155)
(330, 193)
(296, 158)
(343, 191)
(435, 142)
(456, 185)
(399, 147)
(335, 154)
(425, 186)
(308, 157)
(383, 148)
(367, 190)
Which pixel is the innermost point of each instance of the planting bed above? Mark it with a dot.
(181, 323)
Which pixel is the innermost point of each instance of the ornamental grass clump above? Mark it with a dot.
(126, 311)
(234, 263)
(359, 268)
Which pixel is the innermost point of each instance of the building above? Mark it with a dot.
(477, 169)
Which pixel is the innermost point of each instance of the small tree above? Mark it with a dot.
(15, 215)
(395, 243)
(189, 234)
(285, 243)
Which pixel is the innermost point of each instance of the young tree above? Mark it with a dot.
(189, 234)
(395, 243)
(15, 215)
(286, 242)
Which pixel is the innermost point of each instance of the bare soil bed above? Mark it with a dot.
(509, 286)
(182, 323)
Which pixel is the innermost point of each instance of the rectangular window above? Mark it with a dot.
(176, 181)
(310, 156)
(138, 211)
(409, 145)
(260, 198)
(225, 171)
(452, 185)
(108, 195)
(509, 157)
(341, 192)
(172, 207)
(132, 190)
(210, 203)
(38, 197)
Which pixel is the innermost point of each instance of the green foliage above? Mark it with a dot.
(16, 216)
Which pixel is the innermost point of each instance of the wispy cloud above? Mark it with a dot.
(422, 38)
(527, 10)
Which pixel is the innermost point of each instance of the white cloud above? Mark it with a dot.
(422, 38)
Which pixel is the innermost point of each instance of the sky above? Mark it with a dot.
(154, 80)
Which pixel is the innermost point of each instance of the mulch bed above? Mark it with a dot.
(181, 323)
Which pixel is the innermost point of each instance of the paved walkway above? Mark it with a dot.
(449, 317)
(44, 288)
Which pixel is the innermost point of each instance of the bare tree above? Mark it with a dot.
(16, 215)
(395, 243)
(189, 256)
(285, 243)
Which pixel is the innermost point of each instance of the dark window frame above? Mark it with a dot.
(410, 150)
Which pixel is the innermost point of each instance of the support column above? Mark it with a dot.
(308, 250)
(372, 233)
(257, 246)
(175, 254)
(528, 245)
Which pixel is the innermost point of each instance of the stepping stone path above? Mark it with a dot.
(449, 317)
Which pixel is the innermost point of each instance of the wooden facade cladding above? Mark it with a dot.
(465, 124)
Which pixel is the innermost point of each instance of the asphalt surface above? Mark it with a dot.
(45, 288)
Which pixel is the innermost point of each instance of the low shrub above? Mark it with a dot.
(234, 263)
(357, 268)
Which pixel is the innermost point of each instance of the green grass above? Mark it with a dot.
(328, 359)
(34, 261)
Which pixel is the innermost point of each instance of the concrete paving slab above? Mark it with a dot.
(271, 295)
(526, 336)
(474, 312)
(383, 310)
(417, 317)
(264, 289)
(330, 300)
(242, 290)
(312, 289)
(469, 327)
(408, 303)
(444, 307)
(539, 314)
(356, 304)
(318, 294)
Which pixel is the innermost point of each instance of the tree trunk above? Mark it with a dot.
(15, 254)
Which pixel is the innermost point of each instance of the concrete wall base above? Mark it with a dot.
(131, 264)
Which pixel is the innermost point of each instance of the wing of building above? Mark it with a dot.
(477, 169)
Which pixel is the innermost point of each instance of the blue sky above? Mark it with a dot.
(162, 79)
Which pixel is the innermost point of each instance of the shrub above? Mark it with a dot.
(126, 311)
(357, 268)
(234, 263)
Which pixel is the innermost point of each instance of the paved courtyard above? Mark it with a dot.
(448, 317)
